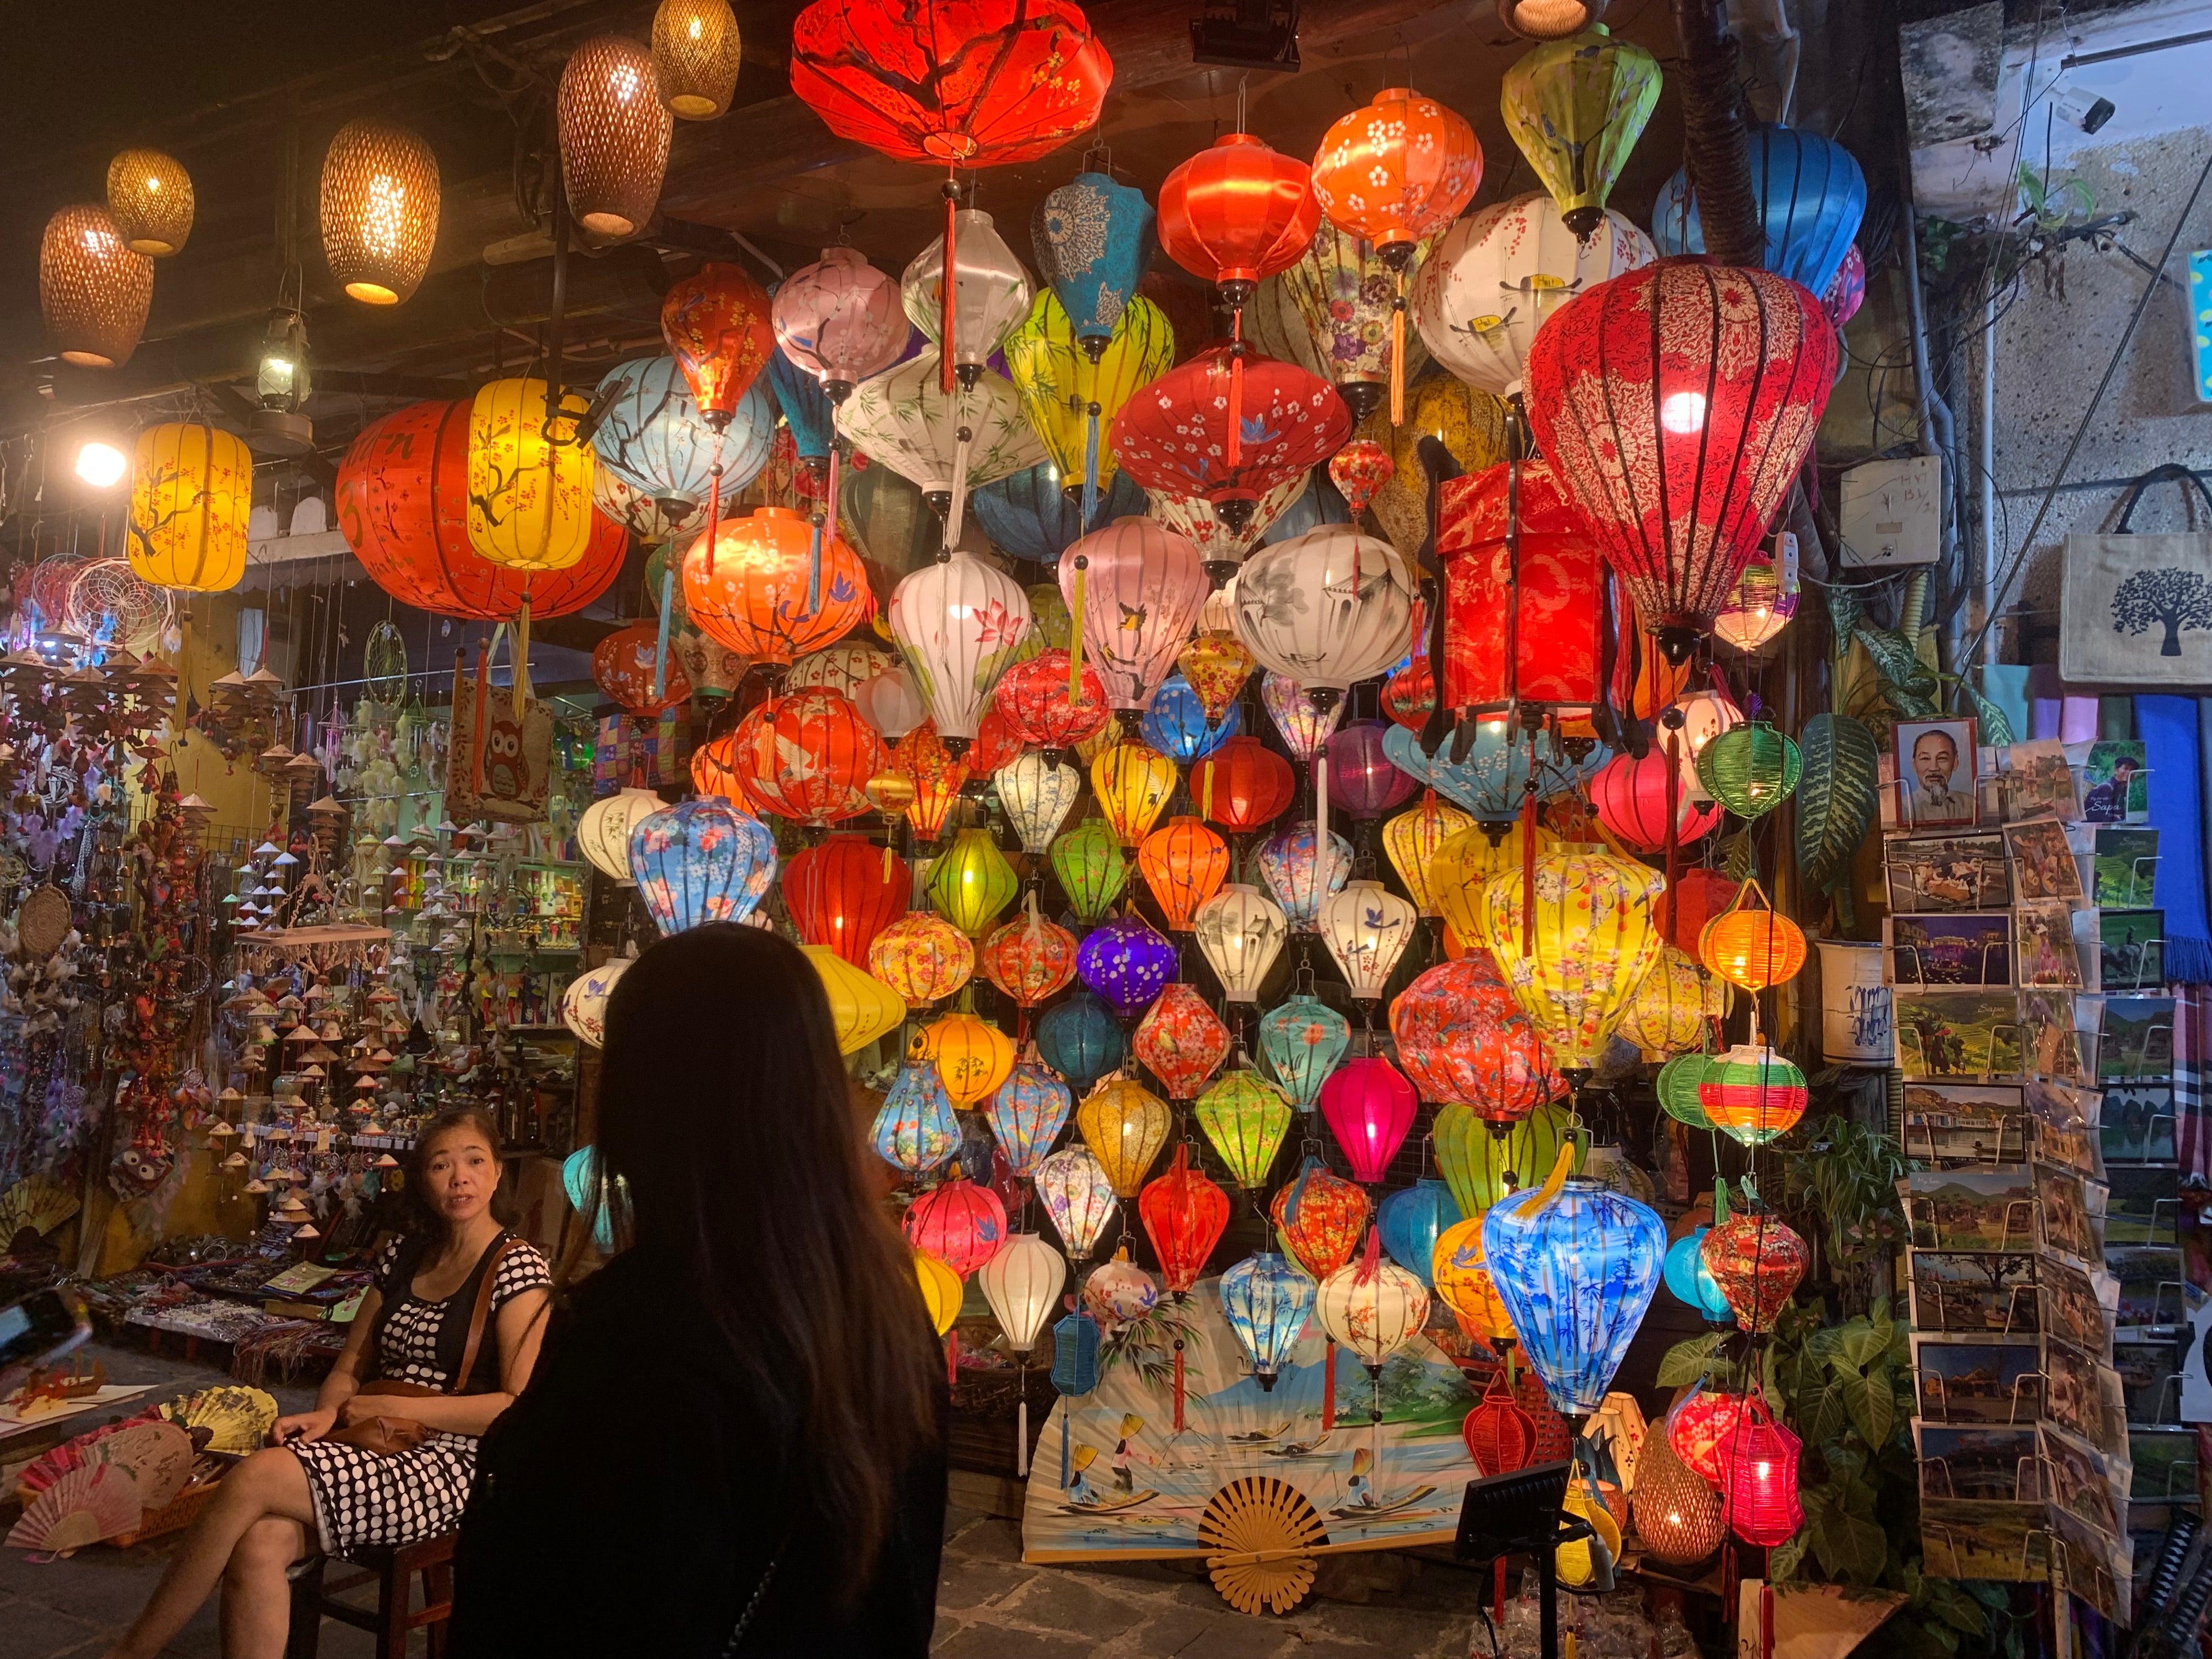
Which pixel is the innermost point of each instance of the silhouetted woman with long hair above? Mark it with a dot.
(735, 1428)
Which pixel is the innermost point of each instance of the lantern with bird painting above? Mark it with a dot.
(806, 757)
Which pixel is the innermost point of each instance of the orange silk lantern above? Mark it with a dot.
(1181, 1041)
(403, 505)
(746, 583)
(1184, 863)
(972, 1056)
(1183, 1214)
(935, 774)
(1753, 947)
(1029, 960)
(713, 771)
(806, 757)
(844, 892)
(1243, 786)
(622, 666)
(718, 329)
(1320, 1217)
(923, 956)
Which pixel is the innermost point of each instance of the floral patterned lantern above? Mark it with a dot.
(717, 328)
(961, 1223)
(1462, 1283)
(1037, 795)
(958, 621)
(1300, 878)
(1678, 444)
(1413, 841)
(700, 861)
(1576, 957)
(1133, 784)
(1125, 1125)
(945, 443)
(1027, 1113)
(934, 775)
(842, 892)
(1668, 1013)
(746, 583)
(1755, 1094)
(1361, 779)
(1093, 239)
(1215, 665)
(654, 437)
(1758, 1479)
(1577, 1267)
(1320, 1216)
(1631, 798)
(1090, 866)
(1372, 1307)
(1244, 1118)
(1177, 726)
(1268, 1302)
(1305, 724)
(923, 958)
(1137, 588)
(623, 667)
(1326, 609)
(1080, 1039)
(1029, 960)
(914, 1129)
(1127, 961)
(840, 319)
(1244, 785)
(1411, 1220)
(1078, 1197)
(1034, 697)
(1119, 1291)
(1183, 1214)
(1491, 780)
(972, 1056)
(861, 1006)
(584, 1003)
(1464, 1041)
(1223, 544)
(1181, 1041)
(1183, 863)
(1367, 928)
(603, 832)
(1369, 1106)
(1576, 107)
(1240, 932)
(806, 757)
(191, 489)
(1302, 1040)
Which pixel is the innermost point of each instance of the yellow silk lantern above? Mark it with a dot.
(862, 1006)
(971, 882)
(941, 1289)
(1069, 400)
(1753, 947)
(1125, 1125)
(191, 490)
(530, 480)
(923, 956)
(1469, 423)
(1463, 866)
(1575, 961)
(1412, 840)
(1667, 1016)
(1462, 1283)
(1133, 784)
(972, 1056)
(1575, 1564)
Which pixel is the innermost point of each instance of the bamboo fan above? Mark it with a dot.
(82, 1508)
(1262, 1531)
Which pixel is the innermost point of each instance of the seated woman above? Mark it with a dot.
(414, 1326)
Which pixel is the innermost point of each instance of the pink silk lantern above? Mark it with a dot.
(961, 1223)
(1181, 1041)
(1361, 779)
(1369, 1106)
(840, 320)
(1135, 588)
(1758, 1479)
(1631, 798)
(1464, 1041)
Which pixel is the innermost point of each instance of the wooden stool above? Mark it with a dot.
(393, 1571)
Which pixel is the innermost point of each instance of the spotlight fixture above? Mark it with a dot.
(101, 464)
(2085, 110)
(1249, 34)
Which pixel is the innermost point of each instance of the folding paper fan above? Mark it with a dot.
(38, 1203)
(75, 1453)
(236, 1421)
(157, 1455)
(82, 1508)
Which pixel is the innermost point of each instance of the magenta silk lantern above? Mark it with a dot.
(961, 1223)
(1631, 798)
(1361, 779)
(1136, 588)
(840, 319)
(1369, 1107)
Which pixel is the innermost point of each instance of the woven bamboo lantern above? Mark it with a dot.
(614, 135)
(1677, 1513)
(696, 53)
(379, 209)
(93, 289)
(150, 196)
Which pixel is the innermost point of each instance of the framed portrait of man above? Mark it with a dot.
(1935, 773)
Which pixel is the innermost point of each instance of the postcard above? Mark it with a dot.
(2126, 866)
(2039, 784)
(1950, 951)
(1936, 763)
(2150, 1377)
(1974, 1294)
(2142, 1204)
(2135, 1039)
(2063, 1105)
(1963, 1538)
(2045, 931)
(2084, 1482)
(1929, 873)
(2052, 1042)
(2131, 950)
(2067, 1213)
(1970, 1209)
(2116, 782)
(2098, 1569)
(1958, 1034)
(1991, 1464)
(2042, 865)
(2078, 1306)
(1965, 1123)
(2083, 1396)
(2165, 1462)
(2138, 1123)
(1978, 1382)
(2152, 1301)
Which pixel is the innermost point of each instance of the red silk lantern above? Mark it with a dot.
(1464, 1041)
(936, 774)
(961, 1223)
(1676, 404)
(1229, 428)
(746, 581)
(1369, 1106)
(622, 666)
(996, 744)
(1758, 1259)
(713, 771)
(718, 326)
(1697, 1425)
(1631, 798)
(1184, 863)
(1361, 779)
(1184, 1214)
(1029, 959)
(1320, 1217)
(1181, 1041)
(1758, 1479)
(1033, 697)
(806, 757)
(1500, 1436)
(403, 505)
(844, 892)
(1698, 896)
(1243, 786)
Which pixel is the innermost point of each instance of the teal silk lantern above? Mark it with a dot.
(1302, 1042)
(579, 1175)
(1411, 1220)
(1811, 194)
(1267, 1301)
(1693, 1282)
(806, 409)
(1577, 1271)
(1029, 514)
(1093, 239)
(915, 1128)
(1490, 779)
(1027, 1113)
(700, 861)
(654, 437)
(1081, 1039)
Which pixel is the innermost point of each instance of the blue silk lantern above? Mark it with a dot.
(916, 1127)
(1176, 723)
(1126, 961)
(1081, 1039)
(699, 861)
(1267, 1301)
(1027, 1113)
(579, 1173)
(1093, 241)
(1074, 1372)
(654, 437)
(806, 408)
(1491, 781)
(1811, 196)
(1577, 1273)
(1029, 515)
(1693, 1282)
(1302, 1042)
(1291, 869)
(1411, 1221)
(1319, 504)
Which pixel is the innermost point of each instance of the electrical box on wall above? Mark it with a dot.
(1892, 512)
(2200, 323)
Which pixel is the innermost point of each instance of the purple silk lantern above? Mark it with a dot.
(1297, 878)
(1369, 1107)
(840, 320)
(1361, 779)
(1126, 961)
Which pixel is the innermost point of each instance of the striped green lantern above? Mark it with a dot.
(1483, 1161)
(1677, 1087)
(1091, 867)
(1752, 1093)
(1750, 769)
(1245, 1118)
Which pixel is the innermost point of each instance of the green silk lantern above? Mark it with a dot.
(1677, 1088)
(1577, 108)
(1245, 1118)
(1482, 1164)
(970, 883)
(1750, 769)
(1091, 867)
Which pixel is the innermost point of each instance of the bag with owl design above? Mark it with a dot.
(500, 759)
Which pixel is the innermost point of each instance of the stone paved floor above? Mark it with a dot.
(990, 1606)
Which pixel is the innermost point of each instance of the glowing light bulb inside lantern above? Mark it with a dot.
(1683, 412)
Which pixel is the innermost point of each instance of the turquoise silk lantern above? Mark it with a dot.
(806, 409)
(700, 861)
(1411, 1220)
(1302, 1042)
(1490, 777)
(1093, 239)
(1268, 1302)
(1577, 1271)
(1811, 194)
(1693, 1282)
(1081, 1039)
(1028, 515)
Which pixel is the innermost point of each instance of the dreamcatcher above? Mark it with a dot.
(45, 589)
(384, 665)
(108, 602)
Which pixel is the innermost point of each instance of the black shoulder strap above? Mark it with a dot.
(2168, 472)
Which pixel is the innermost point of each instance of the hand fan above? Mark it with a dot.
(237, 1420)
(157, 1455)
(82, 1507)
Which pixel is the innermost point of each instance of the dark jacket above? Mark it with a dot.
(625, 1505)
